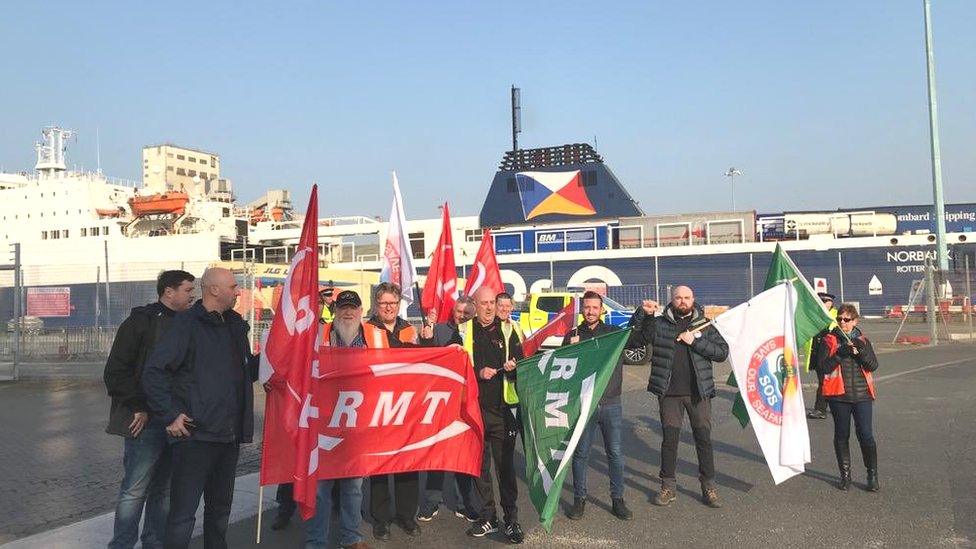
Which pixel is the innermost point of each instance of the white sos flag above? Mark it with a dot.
(762, 350)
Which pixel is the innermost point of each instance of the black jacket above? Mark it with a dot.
(834, 351)
(204, 368)
(134, 342)
(615, 385)
(662, 333)
(489, 352)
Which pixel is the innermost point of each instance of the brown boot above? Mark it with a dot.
(710, 498)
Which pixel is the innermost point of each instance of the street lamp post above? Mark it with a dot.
(939, 202)
(731, 175)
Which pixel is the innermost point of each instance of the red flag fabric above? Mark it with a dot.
(287, 360)
(379, 411)
(560, 325)
(440, 288)
(484, 271)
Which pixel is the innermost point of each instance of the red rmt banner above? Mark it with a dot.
(378, 411)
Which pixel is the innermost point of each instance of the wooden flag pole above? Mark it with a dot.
(697, 329)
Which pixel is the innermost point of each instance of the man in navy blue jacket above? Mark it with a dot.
(198, 381)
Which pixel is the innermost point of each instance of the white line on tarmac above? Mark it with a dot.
(923, 368)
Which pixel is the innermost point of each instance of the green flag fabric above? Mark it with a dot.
(810, 318)
(558, 391)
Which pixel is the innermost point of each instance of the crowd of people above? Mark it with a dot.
(180, 375)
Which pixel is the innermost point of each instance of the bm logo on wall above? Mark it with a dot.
(553, 193)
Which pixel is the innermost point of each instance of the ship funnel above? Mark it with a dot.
(50, 153)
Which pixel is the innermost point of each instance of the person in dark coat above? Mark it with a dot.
(847, 362)
(813, 348)
(198, 381)
(608, 416)
(684, 347)
(146, 456)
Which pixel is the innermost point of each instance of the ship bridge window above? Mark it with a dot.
(180, 157)
(169, 168)
(43, 235)
(105, 230)
(192, 173)
(180, 171)
(417, 245)
(169, 155)
(55, 235)
(473, 235)
(94, 231)
(65, 233)
(84, 231)
(191, 159)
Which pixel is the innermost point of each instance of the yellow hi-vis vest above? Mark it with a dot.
(509, 396)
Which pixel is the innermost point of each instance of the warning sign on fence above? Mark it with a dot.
(53, 301)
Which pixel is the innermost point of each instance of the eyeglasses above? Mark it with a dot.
(845, 319)
(388, 303)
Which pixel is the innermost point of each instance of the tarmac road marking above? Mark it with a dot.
(923, 368)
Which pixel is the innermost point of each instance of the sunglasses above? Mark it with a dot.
(845, 319)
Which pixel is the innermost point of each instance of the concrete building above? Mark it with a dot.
(168, 167)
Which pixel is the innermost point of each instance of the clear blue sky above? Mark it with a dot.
(821, 104)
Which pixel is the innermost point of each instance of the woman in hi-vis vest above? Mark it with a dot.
(847, 362)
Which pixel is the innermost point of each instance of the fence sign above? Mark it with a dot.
(51, 301)
(819, 285)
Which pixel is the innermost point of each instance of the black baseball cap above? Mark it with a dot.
(348, 298)
(824, 296)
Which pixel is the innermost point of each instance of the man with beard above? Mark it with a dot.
(442, 335)
(198, 383)
(346, 330)
(681, 377)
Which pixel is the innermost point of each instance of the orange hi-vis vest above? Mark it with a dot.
(833, 383)
(374, 336)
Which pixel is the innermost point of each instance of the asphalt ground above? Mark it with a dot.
(57, 466)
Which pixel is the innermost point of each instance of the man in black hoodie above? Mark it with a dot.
(608, 416)
(146, 457)
(198, 381)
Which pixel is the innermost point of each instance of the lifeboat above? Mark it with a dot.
(108, 212)
(155, 204)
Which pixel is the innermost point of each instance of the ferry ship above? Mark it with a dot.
(92, 246)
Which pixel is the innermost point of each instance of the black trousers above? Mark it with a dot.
(699, 411)
(821, 403)
(284, 496)
(207, 469)
(500, 432)
(406, 493)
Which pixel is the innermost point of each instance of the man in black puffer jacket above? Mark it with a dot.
(682, 379)
(198, 382)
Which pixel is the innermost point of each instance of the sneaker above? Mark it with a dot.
(710, 498)
(576, 511)
(427, 513)
(482, 528)
(410, 527)
(816, 414)
(620, 509)
(381, 531)
(514, 533)
(665, 497)
(467, 514)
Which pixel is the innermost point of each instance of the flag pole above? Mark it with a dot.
(257, 539)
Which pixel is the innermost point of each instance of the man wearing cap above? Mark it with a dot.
(812, 348)
(327, 302)
(346, 330)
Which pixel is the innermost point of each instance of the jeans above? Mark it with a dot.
(350, 513)
(499, 447)
(147, 464)
(842, 413)
(434, 492)
(672, 415)
(207, 469)
(609, 417)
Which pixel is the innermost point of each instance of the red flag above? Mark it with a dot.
(379, 411)
(560, 325)
(484, 271)
(287, 361)
(440, 288)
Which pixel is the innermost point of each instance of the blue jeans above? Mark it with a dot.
(350, 513)
(147, 464)
(860, 411)
(609, 417)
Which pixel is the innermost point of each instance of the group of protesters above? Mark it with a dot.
(180, 375)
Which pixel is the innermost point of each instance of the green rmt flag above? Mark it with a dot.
(558, 391)
(811, 316)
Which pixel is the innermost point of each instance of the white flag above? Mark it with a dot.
(762, 351)
(397, 255)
